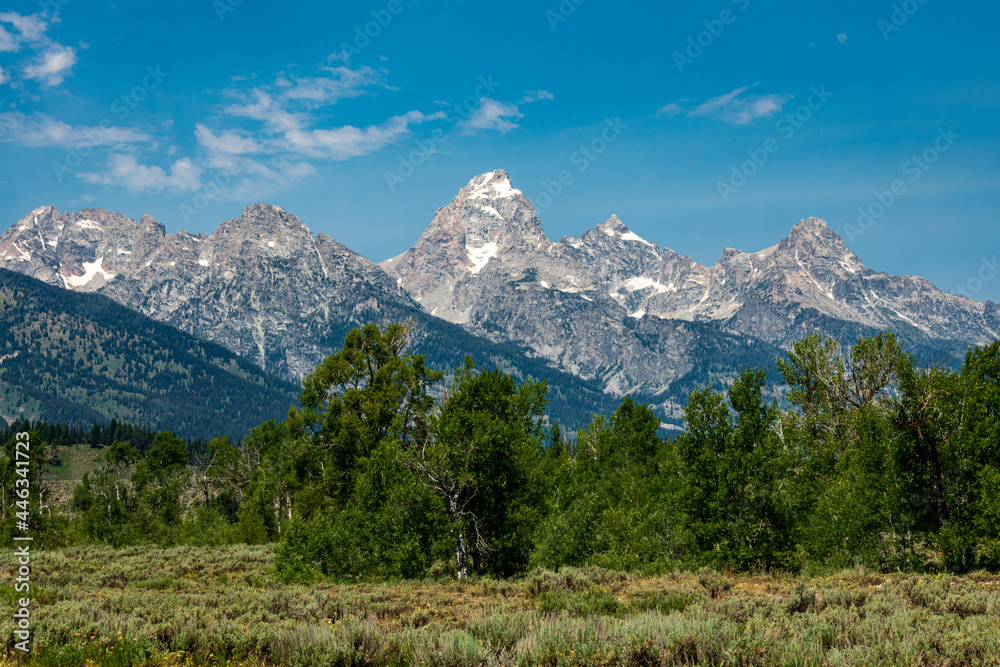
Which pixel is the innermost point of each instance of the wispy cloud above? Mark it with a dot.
(338, 83)
(493, 115)
(51, 63)
(228, 143)
(344, 143)
(7, 43)
(39, 130)
(285, 108)
(842, 38)
(536, 95)
(52, 66)
(671, 109)
(734, 108)
(499, 116)
(265, 137)
(125, 170)
(30, 28)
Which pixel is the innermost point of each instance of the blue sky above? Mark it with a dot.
(705, 125)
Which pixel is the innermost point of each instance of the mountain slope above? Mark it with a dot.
(608, 312)
(613, 307)
(81, 358)
(263, 286)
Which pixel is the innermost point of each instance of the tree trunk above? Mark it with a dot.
(461, 557)
(940, 493)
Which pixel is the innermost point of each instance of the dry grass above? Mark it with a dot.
(191, 606)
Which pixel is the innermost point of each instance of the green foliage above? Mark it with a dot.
(482, 461)
(730, 468)
(383, 474)
(358, 397)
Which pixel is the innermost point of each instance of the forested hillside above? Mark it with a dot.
(389, 469)
(82, 358)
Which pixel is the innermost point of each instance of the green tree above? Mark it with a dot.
(612, 514)
(481, 459)
(106, 480)
(361, 404)
(368, 391)
(158, 481)
(730, 471)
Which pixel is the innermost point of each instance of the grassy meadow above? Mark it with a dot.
(220, 606)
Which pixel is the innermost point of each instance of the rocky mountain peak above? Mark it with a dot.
(813, 237)
(991, 312)
(42, 216)
(491, 185)
(728, 254)
(487, 216)
(613, 225)
(270, 217)
(263, 228)
(614, 231)
(262, 211)
(814, 228)
(149, 222)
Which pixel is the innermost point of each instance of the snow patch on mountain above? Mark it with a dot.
(91, 271)
(481, 256)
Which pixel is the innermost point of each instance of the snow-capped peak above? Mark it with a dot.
(493, 185)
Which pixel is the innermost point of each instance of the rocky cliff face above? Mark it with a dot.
(608, 306)
(262, 284)
(613, 306)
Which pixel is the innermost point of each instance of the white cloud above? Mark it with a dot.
(343, 143)
(285, 107)
(42, 131)
(52, 62)
(842, 38)
(125, 170)
(266, 108)
(735, 108)
(4, 77)
(671, 109)
(717, 103)
(493, 115)
(342, 83)
(53, 65)
(31, 28)
(230, 143)
(501, 116)
(536, 95)
(7, 43)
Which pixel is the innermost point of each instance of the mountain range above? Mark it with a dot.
(598, 316)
